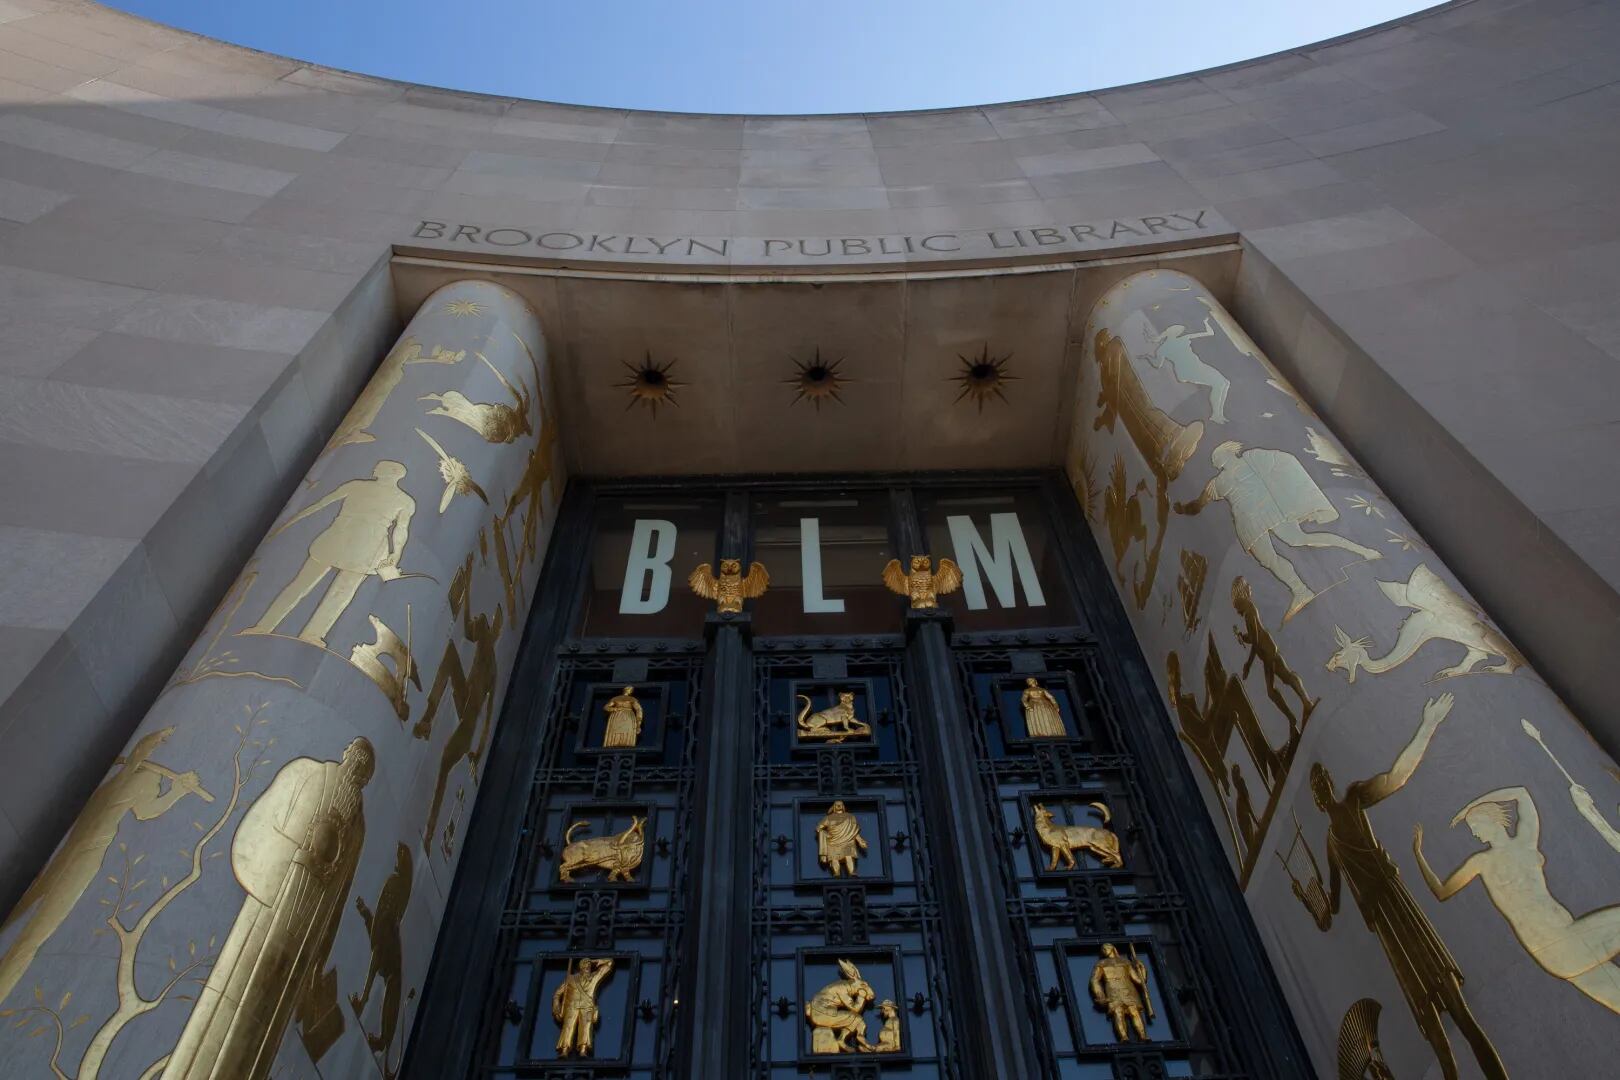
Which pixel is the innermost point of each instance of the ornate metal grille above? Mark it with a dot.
(551, 925)
(1062, 915)
(885, 918)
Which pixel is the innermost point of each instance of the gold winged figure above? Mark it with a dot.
(923, 585)
(731, 588)
(453, 471)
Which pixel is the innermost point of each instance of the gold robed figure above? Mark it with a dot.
(573, 1006)
(624, 717)
(1119, 987)
(1042, 717)
(294, 854)
(839, 841)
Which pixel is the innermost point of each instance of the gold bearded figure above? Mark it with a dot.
(497, 422)
(624, 718)
(731, 588)
(573, 1006)
(1119, 987)
(923, 585)
(619, 855)
(835, 1012)
(1064, 840)
(835, 724)
(839, 841)
(1042, 717)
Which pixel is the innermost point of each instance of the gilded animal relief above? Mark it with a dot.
(495, 422)
(922, 585)
(731, 588)
(453, 471)
(1063, 841)
(619, 855)
(1439, 613)
(832, 725)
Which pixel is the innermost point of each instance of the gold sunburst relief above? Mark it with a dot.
(817, 380)
(650, 383)
(983, 376)
(464, 307)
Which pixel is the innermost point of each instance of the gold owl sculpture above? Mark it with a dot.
(731, 588)
(924, 584)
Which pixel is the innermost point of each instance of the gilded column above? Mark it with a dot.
(1424, 833)
(257, 883)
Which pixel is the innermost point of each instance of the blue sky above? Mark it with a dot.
(770, 56)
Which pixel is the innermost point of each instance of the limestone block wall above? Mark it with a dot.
(255, 885)
(1425, 835)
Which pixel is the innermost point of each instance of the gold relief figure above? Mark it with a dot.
(368, 657)
(839, 842)
(889, 1035)
(1248, 823)
(1439, 613)
(1063, 841)
(1360, 1056)
(1042, 717)
(922, 585)
(832, 725)
(1578, 794)
(1263, 647)
(472, 692)
(495, 422)
(352, 431)
(1190, 585)
(1422, 965)
(1120, 989)
(453, 471)
(387, 954)
(1123, 513)
(619, 855)
(1083, 474)
(624, 720)
(1165, 446)
(573, 1006)
(366, 538)
(1271, 496)
(138, 788)
(294, 854)
(834, 1012)
(731, 588)
(1174, 346)
(1513, 871)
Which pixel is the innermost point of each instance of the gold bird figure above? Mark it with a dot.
(453, 471)
(924, 584)
(731, 588)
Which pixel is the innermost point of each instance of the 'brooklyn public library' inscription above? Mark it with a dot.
(800, 250)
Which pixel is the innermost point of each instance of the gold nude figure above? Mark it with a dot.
(624, 719)
(833, 725)
(573, 1006)
(834, 1012)
(1064, 840)
(1042, 717)
(619, 855)
(1119, 987)
(839, 841)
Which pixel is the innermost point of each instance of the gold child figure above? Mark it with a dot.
(624, 720)
(839, 841)
(1119, 987)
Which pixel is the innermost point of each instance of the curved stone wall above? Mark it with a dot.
(276, 828)
(1416, 819)
(194, 282)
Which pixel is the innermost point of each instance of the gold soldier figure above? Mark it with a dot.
(1119, 987)
(1042, 717)
(136, 788)
(624, 719)
(839, 841)
(573, 1006)
(923, 584)
(1429, 978)
(387, 958)
(366, 538)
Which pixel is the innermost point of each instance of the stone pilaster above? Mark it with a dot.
(1337, 690)
(258, 882)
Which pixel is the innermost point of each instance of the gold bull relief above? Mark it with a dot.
(1439, 613)
(832, 725)
(619, 855)
(1098, 841)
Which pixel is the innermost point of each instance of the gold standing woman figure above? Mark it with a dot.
(839, 841)
(624, 717)
(1513, 870)
(1042, 717)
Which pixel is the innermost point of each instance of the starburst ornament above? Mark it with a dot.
(983, 377)
(460, 308)
(817, 380)
(650, 384)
